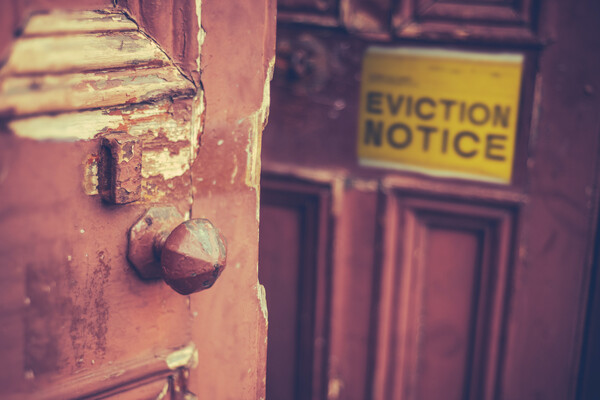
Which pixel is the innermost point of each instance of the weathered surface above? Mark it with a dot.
(175, 24)
(79, 75)
(120, 168)
(226, 175)
(72, 301)
(76, 318)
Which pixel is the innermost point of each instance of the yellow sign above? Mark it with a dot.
(440, 112)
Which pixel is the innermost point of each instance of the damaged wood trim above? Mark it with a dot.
(118, 377)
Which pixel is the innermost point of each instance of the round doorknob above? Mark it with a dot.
(188, 255)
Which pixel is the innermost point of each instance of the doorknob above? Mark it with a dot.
(188, 255)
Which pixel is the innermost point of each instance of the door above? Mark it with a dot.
(109, 111)
(403, 283)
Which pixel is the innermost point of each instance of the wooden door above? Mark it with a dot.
(402, 285)
(186, 94)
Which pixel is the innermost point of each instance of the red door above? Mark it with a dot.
(401, 285)
(116, 119)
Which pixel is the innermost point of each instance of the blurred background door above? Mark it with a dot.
(397, 285)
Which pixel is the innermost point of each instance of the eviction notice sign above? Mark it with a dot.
(440, 112)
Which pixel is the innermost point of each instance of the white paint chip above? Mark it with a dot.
(186, 357)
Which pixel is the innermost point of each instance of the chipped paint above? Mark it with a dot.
(26, 95)
(164, 163)
(90, 175)
(77, 21)
(65, 127)
(253, 149)
(80, 52)
(185, 357)
(73, 77)
(197, 126)
(259, 120)
(235, 169)
(201, 32)
(262, 298)
(169, 142)
(164, 392)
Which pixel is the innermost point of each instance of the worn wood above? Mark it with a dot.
(175, 24)
(52, 54)
(43, 24)
(142, 93)
(26, 95)
(72, 284)
(77, 321)
(226, 178)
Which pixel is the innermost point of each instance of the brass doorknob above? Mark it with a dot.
(188, 255)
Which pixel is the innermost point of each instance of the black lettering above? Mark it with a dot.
(418, 110)
(427, 130)
(445, 141)
(394, 107)
(373, 132)
(407, 136)
(374, 102)
(447, 104)
(408, 106)
(490, 146)
(501, 116)
(462, 111)
(473, 112)
(459, 150)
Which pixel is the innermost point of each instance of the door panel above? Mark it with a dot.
(444, 285)
(294, 259)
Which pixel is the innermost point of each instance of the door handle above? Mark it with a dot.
(188, 255)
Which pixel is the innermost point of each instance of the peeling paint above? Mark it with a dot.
(201, 32)
(76, 78)
(77, 21)
(259, 120)
(169, 143)
(197, 127)
(164, 392)
(67, 127)
(235, 169)
(164, 163)
(83, 51)
(90, 175)
(50, 93)
(185, 357)
(262, 298)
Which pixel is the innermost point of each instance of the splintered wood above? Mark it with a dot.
(78, 75)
